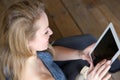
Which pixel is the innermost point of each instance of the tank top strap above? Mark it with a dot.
(54, 69)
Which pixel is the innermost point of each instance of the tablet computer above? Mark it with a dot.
(107, 46)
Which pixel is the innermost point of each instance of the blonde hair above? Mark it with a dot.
(15, 31)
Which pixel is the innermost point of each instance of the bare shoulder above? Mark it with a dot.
(35, 70)
(29, 71)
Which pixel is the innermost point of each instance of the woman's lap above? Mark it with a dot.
(80, 42)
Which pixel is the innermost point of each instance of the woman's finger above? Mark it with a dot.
(107, 64)
(101, 69)
(99, 65)
(107, 77)
(105, 70)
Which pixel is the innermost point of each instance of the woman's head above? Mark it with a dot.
(21, 22)
(41, 39)
(18, 24)
(24, 30)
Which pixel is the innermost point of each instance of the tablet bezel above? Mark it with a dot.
(111, 27)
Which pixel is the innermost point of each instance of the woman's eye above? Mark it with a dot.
(46, 32)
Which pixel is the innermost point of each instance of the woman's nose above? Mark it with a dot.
(50, 32)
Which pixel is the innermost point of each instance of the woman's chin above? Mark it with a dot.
(45, 48)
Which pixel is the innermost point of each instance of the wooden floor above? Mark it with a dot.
(76, 17)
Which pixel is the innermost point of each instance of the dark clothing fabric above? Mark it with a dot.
(72, 68)
(79, 42)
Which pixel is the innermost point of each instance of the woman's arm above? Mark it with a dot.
(63, 53)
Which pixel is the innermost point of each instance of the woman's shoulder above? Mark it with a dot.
(29, 68)
(35, 69)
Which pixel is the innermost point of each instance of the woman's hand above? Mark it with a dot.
(85, 54)
(100, 71)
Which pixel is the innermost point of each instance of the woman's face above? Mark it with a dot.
(41, 39)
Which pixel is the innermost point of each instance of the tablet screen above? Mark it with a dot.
(105, 49)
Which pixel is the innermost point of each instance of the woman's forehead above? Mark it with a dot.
(42, 22)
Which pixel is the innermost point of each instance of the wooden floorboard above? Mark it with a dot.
(113, 5)
(110, 17)
(56, 33)
(116, 76)
(99, 17)
(82, 16)
(61, 17)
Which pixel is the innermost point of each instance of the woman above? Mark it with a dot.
(25, 33)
